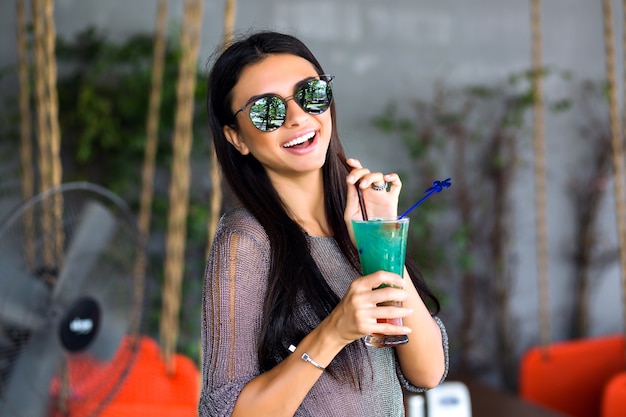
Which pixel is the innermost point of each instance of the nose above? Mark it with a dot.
(294, 114)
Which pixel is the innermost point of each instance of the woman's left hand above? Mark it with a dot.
(378, 203)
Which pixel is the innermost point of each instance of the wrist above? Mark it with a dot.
(307, 358)
(329, 335)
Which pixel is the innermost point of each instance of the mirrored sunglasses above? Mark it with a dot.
(269, 111)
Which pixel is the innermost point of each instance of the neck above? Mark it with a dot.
(304, 198)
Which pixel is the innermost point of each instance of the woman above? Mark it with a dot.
(283, 272)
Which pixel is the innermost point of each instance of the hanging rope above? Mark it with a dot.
(152, 121)
(26, 148)
(53, 120)
(540, 175)
(619, 162)
(49, 140)
(152, 140)
(179, 185)
(230, 12)
(42, 100)
(616, 136)
(53, 97)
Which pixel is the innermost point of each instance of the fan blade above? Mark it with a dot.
(27, 392)
(113, 289)
(94, 232)
(110, 336)
(23, 299)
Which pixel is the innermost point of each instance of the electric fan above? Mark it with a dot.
(71, 302)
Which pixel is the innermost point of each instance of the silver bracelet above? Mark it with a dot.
(305, 357)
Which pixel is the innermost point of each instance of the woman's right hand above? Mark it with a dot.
(357, 313)
(378, 203)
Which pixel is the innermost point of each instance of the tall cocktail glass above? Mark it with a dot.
(382, 247)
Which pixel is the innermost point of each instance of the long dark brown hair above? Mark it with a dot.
(293, 272)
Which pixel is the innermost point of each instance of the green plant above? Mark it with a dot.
(472, 134)
(587, 190)
(103, 97)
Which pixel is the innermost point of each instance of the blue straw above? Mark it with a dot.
(437, 187)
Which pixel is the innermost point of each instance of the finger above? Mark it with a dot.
(354, 163)
(387, 320)
(363, 176)
(395, 184)
(391, 182)
(371, 178)
(389, 328)
(379, 278)
(388, 295)
(358, 175)
(392, 312)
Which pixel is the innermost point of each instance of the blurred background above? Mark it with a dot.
(523, 249)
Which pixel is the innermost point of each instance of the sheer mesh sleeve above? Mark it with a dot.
(444, 339)
(234, 288)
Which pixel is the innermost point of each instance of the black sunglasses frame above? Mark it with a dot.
(298, 89)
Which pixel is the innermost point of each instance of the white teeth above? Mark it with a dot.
(299, 140)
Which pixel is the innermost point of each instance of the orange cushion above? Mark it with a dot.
(149, 410)
(570, 376)
(147, 389)
(614, 399)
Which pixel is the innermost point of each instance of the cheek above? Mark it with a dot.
(257, 141)
(327, 122)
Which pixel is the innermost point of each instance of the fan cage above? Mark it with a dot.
(34, 239)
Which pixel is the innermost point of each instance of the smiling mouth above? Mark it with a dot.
(299, 141)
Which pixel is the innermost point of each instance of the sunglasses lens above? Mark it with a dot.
(314, 96)
(268, 113)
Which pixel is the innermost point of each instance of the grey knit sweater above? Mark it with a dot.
(234, 292)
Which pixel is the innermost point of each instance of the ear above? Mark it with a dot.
(233, 137)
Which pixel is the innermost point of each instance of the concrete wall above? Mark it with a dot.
(397, 50)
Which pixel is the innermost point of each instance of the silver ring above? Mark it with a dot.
(379, 187)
